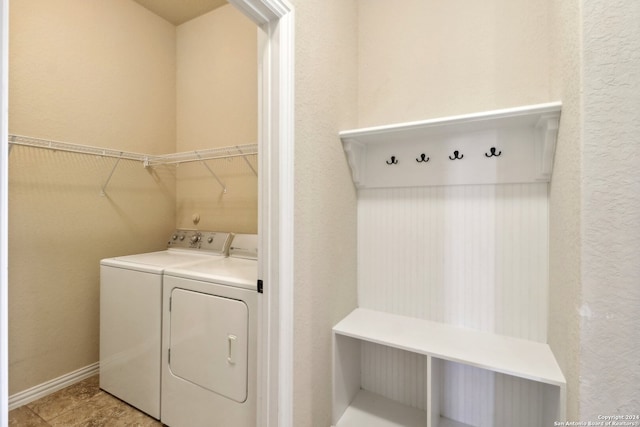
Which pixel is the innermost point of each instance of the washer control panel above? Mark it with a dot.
(213, 241)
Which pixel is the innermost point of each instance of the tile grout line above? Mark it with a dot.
(38, 415)
(57, 397)
(86, 396)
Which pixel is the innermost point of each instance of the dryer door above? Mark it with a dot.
(208, 342)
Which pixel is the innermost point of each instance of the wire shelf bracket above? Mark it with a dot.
(102, 191)
(204, 163)
(244, 157)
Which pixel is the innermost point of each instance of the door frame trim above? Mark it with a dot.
(275, 18)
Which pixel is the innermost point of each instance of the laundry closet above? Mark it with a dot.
(100, 94)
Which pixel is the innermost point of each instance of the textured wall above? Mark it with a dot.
(421, 59)
(565, 243)
(217, 106)
(325, 198)
(97, 73)
(610, 337)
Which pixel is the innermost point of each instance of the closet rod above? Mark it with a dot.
(76, 148)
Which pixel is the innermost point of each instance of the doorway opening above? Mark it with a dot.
(275, 19)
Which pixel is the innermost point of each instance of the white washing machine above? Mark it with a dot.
(209, 340)
(131, 315)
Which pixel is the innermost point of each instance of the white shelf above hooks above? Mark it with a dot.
(513, 145)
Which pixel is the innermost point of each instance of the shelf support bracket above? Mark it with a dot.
(204, 163)
(244, 157)
(547, 138)
(11, 143)
(355, 152)
(102, 192)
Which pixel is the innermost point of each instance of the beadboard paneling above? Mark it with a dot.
(393, 373)
(472, 256)
(518, 402)
(468, 394)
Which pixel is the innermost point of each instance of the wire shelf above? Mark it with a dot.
(206, 154)
(147, 159)
(76, 148)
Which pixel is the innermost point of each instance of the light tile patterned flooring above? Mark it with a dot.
(81, 404)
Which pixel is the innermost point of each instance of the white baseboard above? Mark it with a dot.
(46, 388)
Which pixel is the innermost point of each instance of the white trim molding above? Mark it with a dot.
(286, 219)
(4, 213)
(276, 206)
(51, 386)
(263, 11)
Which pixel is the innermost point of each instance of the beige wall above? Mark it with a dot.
(325, 199)
(99, 73)
(423, 59)
(217, 105)
(565, 241)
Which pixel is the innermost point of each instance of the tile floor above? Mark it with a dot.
(81, 404)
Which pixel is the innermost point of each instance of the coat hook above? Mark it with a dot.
(393, 161)
(423, 158)
(456, 156)
(493, 153)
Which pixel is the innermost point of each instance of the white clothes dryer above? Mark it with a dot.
(209, 340)
(131, 315)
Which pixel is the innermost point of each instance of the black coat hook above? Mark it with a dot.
(423, 158)
(493, 153)
(456, 156)
(393, 161)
